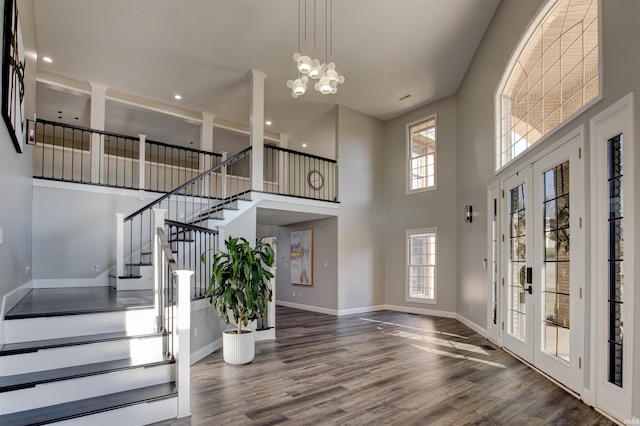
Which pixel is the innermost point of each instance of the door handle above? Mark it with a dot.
(529, 275)
(529, 289)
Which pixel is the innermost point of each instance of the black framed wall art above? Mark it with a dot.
(13, 65)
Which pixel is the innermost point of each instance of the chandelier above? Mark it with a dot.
(326, 74)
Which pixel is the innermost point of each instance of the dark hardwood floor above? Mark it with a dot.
(383, 368)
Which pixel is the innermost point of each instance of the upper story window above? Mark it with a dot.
(552, 76)
(421, 155)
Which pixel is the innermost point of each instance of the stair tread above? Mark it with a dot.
(140, 264)
(34, 346)
(84, 407)
(52, 302)
(29, 380)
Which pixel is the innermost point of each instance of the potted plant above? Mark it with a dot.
(239, 291)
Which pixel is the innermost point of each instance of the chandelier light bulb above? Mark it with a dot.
(324, 85)
(298, 87)
(304, 64)
(316, 69)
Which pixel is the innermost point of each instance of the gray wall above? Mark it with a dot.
(324, 291)
(429, 209)
(74, 230)
(361, 244)
(15, 178)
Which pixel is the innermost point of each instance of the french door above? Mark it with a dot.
(543, 263)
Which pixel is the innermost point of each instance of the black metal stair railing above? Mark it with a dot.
(298, 174)
(68, 153)
(188, 208)
(187, 243)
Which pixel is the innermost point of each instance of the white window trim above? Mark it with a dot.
(407, 160)
(409, 233)
(616, 119)
(540, 17)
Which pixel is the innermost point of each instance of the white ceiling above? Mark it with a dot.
(203, 49)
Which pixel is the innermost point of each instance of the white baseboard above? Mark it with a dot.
(206, 350)
(420, 311)
(101, 280)
(310, 308)
(472, 325)
(361, 310)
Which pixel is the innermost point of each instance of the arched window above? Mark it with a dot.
(552, 76)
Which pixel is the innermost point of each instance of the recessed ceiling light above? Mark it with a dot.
(304, 145)
(178, 97)
(268, 122)
(47, 59)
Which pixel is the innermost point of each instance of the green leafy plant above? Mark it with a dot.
(240, 280)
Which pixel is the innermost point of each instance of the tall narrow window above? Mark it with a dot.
(552, 76)
(494, 262)
(517, 309)
(421, 155)
(421, 265)
(557, 266)
(616, 255)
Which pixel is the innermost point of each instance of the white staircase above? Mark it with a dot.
(89, 368)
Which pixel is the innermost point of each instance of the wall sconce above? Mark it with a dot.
(468, 214)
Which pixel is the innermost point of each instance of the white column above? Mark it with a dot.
(142, 164)
(256, 128)
(284, 140)
(183, 343)
(98, 106)
(206, 138)
(119, 245)
(283, 165)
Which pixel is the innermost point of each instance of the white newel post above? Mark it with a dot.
(119, 245)
(142, 165)
(183, 343)
(223, 176)
(256, 129)
(157, 256)
(98, 98)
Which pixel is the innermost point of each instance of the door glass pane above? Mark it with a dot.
(556, 299)
(616, 256)
(517, 263)
(494, 263)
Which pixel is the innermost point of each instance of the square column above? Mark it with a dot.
(256, 128)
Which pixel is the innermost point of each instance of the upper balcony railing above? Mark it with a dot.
(298, 174)
(79, 154)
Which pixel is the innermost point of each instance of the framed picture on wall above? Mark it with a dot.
(13, 65)
(302, 257)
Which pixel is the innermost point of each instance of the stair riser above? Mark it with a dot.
(68, 356)
(135, 415)
(145, 282)
(85, 387)
(136, 321)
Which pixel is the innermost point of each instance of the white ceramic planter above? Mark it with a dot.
(238, 348)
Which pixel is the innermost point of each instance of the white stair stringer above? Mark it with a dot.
(59, 392)
(139, 348)
(134, 415)
(133, 321)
